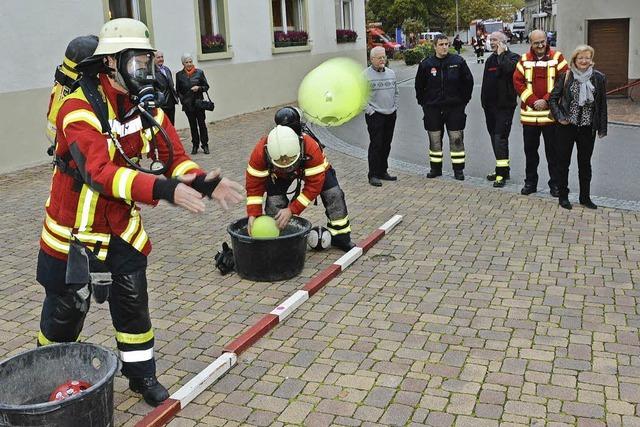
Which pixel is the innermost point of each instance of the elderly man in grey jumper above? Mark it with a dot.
(380, 115)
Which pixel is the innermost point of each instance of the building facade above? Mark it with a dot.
(540, 15)
(613, 29)
(253, 52)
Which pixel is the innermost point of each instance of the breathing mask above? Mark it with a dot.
(136, 72)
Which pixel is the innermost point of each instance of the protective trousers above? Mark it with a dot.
(435, 120)
(499, 122)
(65, 307)
(332, 198)
(531, 136)
(380, 127)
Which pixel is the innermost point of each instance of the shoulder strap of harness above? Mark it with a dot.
(89, 86)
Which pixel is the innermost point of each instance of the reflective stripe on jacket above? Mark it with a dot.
(103, 204)
(533, 80)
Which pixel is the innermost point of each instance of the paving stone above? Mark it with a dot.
(379, 397)
(583, 410)
(494, 308)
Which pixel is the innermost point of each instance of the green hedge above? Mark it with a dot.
(412, 56)
(418, 53)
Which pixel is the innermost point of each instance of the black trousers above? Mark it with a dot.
(499, 122)
(531, 136)
(584, 137)
(171, 113)
(65, 307)
(380, 127)
(199, 133)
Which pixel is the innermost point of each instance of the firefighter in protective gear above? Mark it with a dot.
(443, 88)
(91, 211)
(65, 80)
(533, 80)
(289, 154)
(498, 99)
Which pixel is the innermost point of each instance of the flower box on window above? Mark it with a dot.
(346, 36)
(292, 38)
(212, 43)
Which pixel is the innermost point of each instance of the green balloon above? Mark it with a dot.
(264, 227)
(334, 92)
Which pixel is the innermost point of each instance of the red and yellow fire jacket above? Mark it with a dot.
(533, 79)
(103, 203)
(258, 172)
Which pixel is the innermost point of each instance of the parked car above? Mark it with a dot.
(427, 37)
(377, 37)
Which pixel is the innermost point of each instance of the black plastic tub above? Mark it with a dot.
(270, 260)
(27, 380)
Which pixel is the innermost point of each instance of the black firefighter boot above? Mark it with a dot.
(436, 170)
(343, 242)
(151, 390)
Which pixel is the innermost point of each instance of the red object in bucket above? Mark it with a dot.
(68, 389)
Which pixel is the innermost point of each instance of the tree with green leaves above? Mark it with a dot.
(439, 15)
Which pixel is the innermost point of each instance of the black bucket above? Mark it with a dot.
(270, 260)
(27, 380)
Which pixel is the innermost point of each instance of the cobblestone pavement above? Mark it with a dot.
(482, 308)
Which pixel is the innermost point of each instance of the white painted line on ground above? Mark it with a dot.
(287, 306)
(205, 378)
(347, 259)
(387, 226)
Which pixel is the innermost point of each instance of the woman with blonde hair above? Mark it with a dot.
(579, 104)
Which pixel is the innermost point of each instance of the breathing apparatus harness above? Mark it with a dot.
(297, 169)
(138, 77)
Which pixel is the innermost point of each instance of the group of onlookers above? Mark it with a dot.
(190, 86)
(564, 102)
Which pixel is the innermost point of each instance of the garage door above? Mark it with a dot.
(610, 39)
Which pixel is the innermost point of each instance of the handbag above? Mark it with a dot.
(205, 104)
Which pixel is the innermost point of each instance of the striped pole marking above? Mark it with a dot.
(162, 414)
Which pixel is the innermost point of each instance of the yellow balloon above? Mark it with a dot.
(334, 92)
(264, 227)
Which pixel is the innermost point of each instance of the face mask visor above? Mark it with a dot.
(138, 70)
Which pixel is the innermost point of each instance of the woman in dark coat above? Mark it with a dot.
(579, 104)
(190, 85)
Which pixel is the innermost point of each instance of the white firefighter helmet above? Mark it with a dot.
(122, 34)
(283, 146)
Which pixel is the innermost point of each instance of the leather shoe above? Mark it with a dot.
(565, 203)
(205, 149)
(459, 175)
(151, 390)
(434, 174)
(587, 203)
(387, 177)
(375, 181)
(528, 189)
(194, 150)
(554, 191)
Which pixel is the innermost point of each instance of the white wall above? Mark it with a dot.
(251, 79)
(572, 25)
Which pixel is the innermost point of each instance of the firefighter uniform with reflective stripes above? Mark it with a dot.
(96, 206)
(498, 99)
(319, 179)
(533, 80)
(443, 88)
